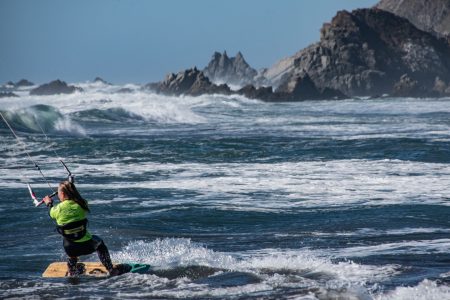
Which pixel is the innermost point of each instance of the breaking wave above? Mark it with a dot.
(41, 118)
(252, 271)
(107, 115)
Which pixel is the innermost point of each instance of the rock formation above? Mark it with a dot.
(23, 82)
(194, 83)
(262, 93)
(427, 15)
(189, 82)
(368, 52)
(100, 80)
(55, 87)
(20, 83)
(302, 87)
(7, 94)
(407, 86)
(234, 70)
(124, 91)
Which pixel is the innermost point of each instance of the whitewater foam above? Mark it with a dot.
(405, 247)
(149, 106)
(276, 268)
(370, 232)
(427, 289)
(172, 252)
(287, 185)
(347, 119)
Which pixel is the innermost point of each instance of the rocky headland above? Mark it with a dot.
(396, 48)
(55, 87)
(193, 82)
(366, 52)
(369, 52)
(428, 15)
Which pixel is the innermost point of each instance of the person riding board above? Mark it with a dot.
(70, 216)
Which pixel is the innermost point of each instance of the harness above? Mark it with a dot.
(74, 230)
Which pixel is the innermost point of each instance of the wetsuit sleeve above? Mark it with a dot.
(54, 211)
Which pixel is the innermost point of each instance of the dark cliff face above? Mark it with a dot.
(366, 52)
(428, 15)
(234, 70)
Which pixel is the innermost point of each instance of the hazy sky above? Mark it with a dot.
(141, 41)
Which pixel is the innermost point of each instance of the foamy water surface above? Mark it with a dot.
(232, 198)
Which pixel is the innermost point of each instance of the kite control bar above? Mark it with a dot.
(36, 202)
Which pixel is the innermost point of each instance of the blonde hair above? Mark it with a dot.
(69, 189)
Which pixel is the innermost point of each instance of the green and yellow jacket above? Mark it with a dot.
(68, 211)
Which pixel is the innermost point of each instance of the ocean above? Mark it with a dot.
(232, 198)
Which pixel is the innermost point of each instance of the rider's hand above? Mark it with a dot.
(47, 200)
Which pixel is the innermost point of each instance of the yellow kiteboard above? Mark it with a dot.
(94, 269)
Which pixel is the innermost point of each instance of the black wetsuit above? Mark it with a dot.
(72, 225)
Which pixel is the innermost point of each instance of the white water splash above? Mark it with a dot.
(427, 289)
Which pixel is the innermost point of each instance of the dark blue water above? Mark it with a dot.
(234, 199)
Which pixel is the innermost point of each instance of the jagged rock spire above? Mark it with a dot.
(234, 70)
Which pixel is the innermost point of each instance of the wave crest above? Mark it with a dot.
(41, 118)
(115, 114)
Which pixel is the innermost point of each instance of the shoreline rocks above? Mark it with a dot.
(193, 82)
(7, 94)
(363, 53)
(18, 84)
(55, 87)
(188, 82)
(100, 80)
(366, 53)
(23, 83)
(234, 70)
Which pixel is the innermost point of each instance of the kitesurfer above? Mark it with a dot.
(70, 216)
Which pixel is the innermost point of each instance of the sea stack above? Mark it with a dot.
(233, 71)
(55, 87)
